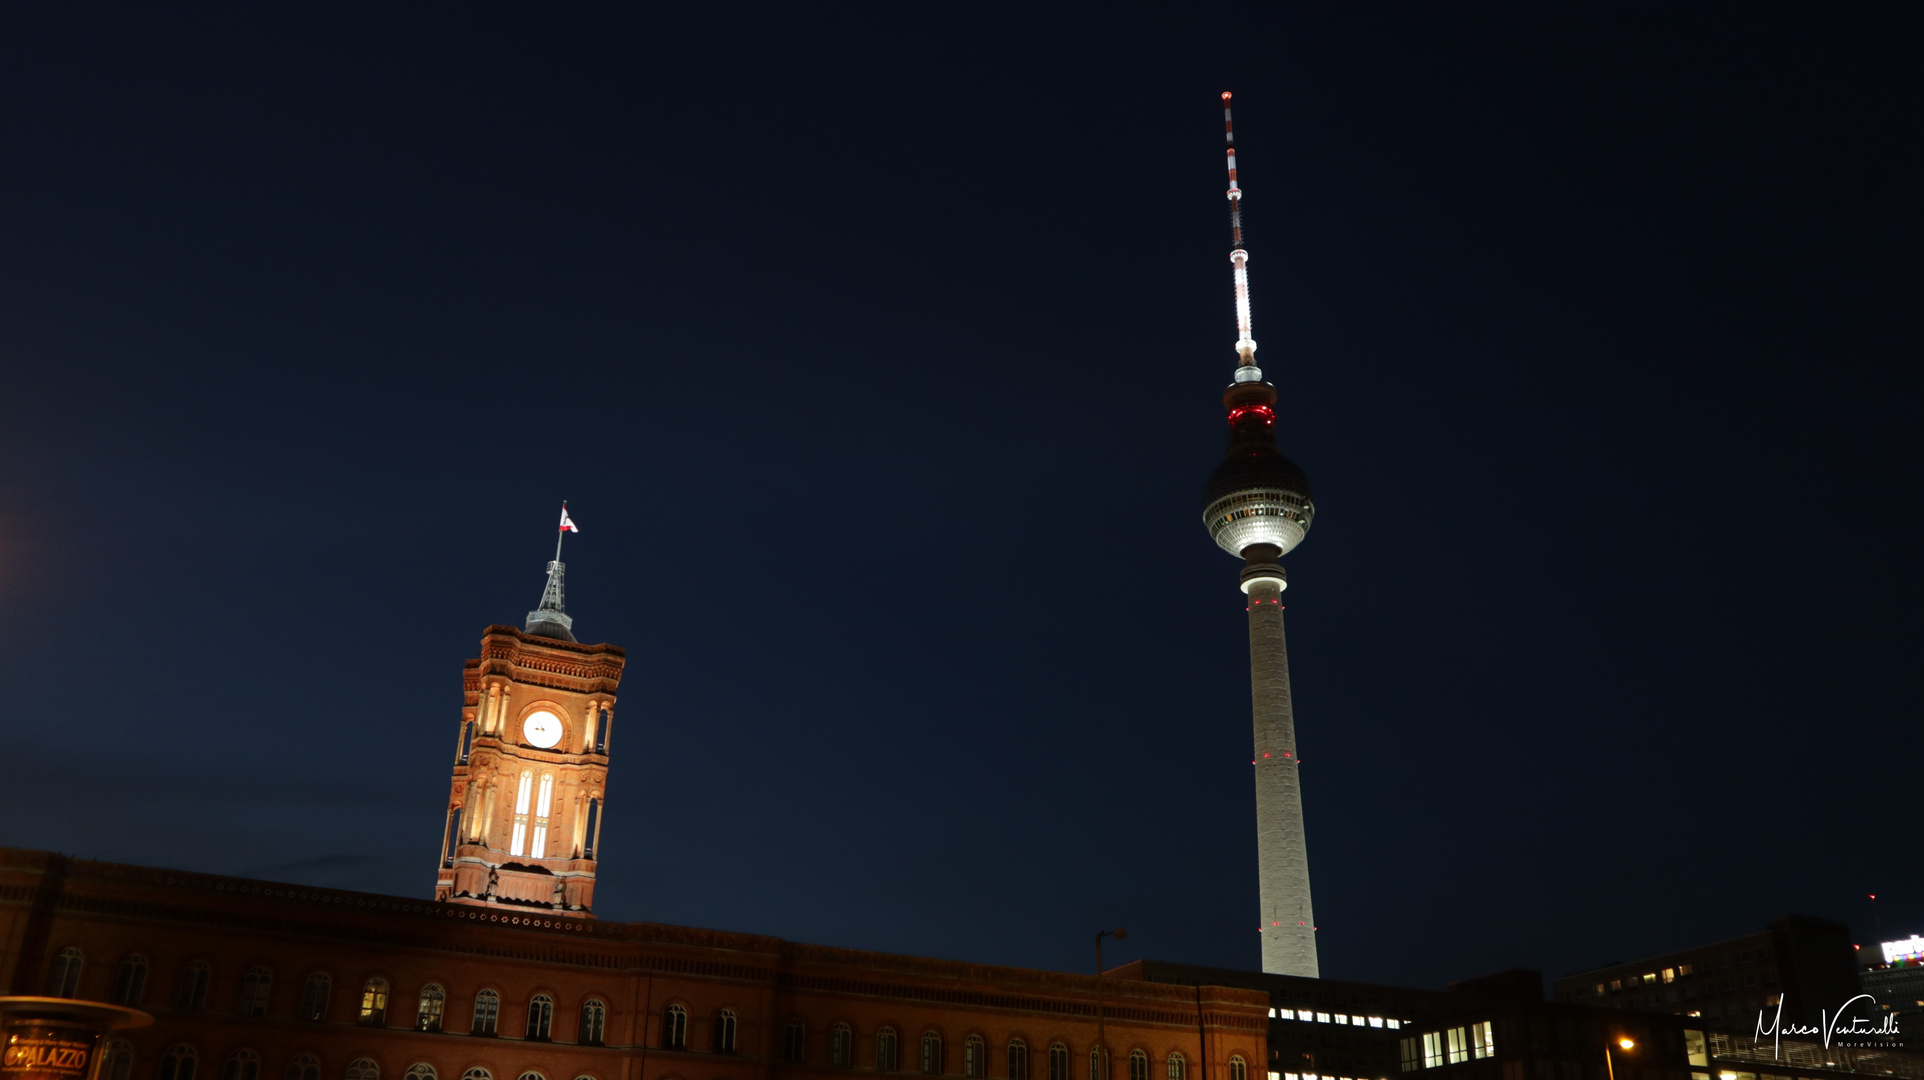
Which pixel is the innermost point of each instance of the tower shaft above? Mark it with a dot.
(1282, 857)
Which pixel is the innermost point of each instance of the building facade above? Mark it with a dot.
(250, 979)
(1803, 963)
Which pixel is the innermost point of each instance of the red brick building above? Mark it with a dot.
(250, 980)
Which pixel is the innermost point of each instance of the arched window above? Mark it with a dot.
(532, 1075)
(1177, 1067)
(191, 994)
(540, 1017)
(63, 975)
(120, 1060)
(975, 1058)
(241, 1065)
(130, 983)
(1138, 1065)
(363, 1069)
(931, 1053)
(314, 996)
(433, 1007)
(594, 1022)
(487, 1013)
(1018, 1060)
(255, 986)
(477, 1073)
(1058, 1062)
(1098, 1063)
(794, 1042)
(725, 1032)
(374, 1002)
(420, 1070)
(841, 1046)
(303, 1067)
(176, 1064)
(674, 1028)
(1238, 1069)
(523, 796)
(888, 1055)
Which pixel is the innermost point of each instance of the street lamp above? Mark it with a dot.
(1099, 1057)
(1624, 1043)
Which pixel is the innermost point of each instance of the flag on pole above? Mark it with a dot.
(567, 523)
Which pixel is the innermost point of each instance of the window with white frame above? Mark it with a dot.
(1018, 1060)
(1138, 1065)
(975, 1058)
(1238, 1068)
(841, 1046)
(1178, 1068)
(594, 1022)
(431, 1010)
(177, 1063)
(363, 1069)
(314, 996)
(724, 1041)
(241, 1065)
(420, 1070)
(303, 1067)
(932, 1053)
(543, 804)
(63, 975)
(130, 982)
(119, 1063)
(1059, 1062)
(255, 987)
(191, 994)
(674, 1028)
(374, 1002)
(540, 1018)
(523, 798)
(794, 1041)
(888, 1052)
(487, 1013)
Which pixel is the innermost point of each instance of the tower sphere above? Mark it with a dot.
(1257, 496)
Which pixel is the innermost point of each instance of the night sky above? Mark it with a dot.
(879, 352)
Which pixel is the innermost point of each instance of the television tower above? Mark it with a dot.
(1258, 506)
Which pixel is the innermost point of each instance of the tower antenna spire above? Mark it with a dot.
(1247, 371)
(551, 619)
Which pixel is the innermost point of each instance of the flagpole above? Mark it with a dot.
(561, 531)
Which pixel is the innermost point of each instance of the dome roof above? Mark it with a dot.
(1263, 468)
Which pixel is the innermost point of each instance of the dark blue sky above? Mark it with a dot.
(879, 352)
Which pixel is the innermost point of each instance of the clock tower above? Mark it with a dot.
(523, 827)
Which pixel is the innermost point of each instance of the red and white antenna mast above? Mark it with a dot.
(1239, 258)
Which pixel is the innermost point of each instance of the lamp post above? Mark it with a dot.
(1624, 1043)
(1099, 1059)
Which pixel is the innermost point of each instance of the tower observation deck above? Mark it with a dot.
(1258, 506)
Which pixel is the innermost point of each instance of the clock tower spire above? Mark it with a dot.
(523, 826)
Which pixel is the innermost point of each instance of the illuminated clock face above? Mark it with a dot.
(541, 729)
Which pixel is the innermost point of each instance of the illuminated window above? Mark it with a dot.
(1432, 1049)
(932, 1062)
(255, 986)
(523, 796)
(1398, 1024)
(487, 1013)
(1459, 1045)
(1018, 1060)
(304, 1067)
(1322, 1018)
(1616, 984)
(432, 1009)
(1238, 1069)
(420, 1070)
(1650, 978)
(724, 1042)
(674, 1028)
(63, 975)
(1058, 1062)
(1411, 1058)
(975, 1058)
(1683, 969)
(1178, 1068)
(241, 1065)
(363, 1069)
(1138, 1065)
(594, 1022)
(176, 1064)
(131, 981)
(1483, 1040)
(540, 1018)
(1376, 1021)
(543, 803)
(119, 1062)
(1342, 1019)
(1669, 974)
(841, 1046)
(314, 996)
(888, 1053)
(794, 1042)
(374, 1002)
(1694, 1048)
